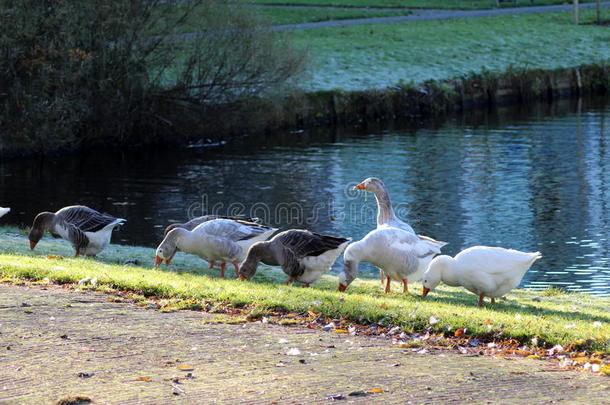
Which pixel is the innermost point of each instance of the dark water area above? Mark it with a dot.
(530, 178)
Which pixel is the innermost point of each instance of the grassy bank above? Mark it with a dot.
(378, 56)
(573, 320)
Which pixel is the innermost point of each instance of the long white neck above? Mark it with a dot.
(449, 272)
(385, 212)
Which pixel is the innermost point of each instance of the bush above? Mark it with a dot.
(128, 71)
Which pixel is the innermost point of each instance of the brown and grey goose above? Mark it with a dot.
(304, 256)
(88, 230)
(225, 240)
(195, 222)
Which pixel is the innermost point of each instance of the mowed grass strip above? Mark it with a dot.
(573, 320)
(362, 57)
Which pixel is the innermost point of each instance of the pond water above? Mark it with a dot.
(530, 178)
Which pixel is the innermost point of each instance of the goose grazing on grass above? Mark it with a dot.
(401, 255)
(4, 211)
(483, 270)
(88, 230)
(225, 240)
(190, 225)
(304, 256)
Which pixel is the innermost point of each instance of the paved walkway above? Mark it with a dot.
(56, 342)
(426, 15)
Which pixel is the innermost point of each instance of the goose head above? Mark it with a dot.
(247, 268)
(372, 185)
(434, 273)
(167, 249)
(42, 222)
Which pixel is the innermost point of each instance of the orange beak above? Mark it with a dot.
(341, 288)
(158, 261)
(360, 187)
(32, 245)
(425, 292)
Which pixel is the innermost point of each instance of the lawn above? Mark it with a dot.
(378, 56)
(426, 4)
(572, 320)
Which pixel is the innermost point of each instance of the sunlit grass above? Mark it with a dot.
(575, 320)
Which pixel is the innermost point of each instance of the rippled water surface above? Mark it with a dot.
(535, 178)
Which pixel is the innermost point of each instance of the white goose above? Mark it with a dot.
(483, 270)
(4, 211)
(88, 230)
(385, 212)
(401, 255)
(304, 256)
(386, 218)
(226, 240)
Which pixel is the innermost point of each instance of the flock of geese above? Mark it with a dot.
(393, 246)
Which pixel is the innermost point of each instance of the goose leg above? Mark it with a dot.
(212, 264)
(223, 266)
(77, 252)
(405, 285)
(290, 280)
(234, 262)
(306, 285)
(481, 296)
(493, 300)
(381, 276)
(387, 285)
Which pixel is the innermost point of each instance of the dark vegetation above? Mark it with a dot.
(80, 73)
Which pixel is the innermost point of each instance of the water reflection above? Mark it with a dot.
(530, 179)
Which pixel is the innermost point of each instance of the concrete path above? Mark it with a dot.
(426, 15)
(56, 342)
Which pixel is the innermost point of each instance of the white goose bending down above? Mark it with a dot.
(4, 211)
(88, 230)
(483, 270)
(304, 256)
(401, 255)
(226, 240)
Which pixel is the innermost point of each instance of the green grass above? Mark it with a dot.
(559, 318)
(425, 4)
(378, 56)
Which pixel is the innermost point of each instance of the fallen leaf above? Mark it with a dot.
(335, 397)
(376, 390)
(186, 368)
(459, 332)
(56, 257)
(533, 356)
(340, 331)
(433, 321)
(144, 379)
(293, 352)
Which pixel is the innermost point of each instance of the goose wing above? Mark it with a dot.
(4, 211)
(305, 243)
(84, 218)
(234, 230)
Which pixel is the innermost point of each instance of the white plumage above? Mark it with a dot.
(402, 255)
(4, 211)
(483, 270)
